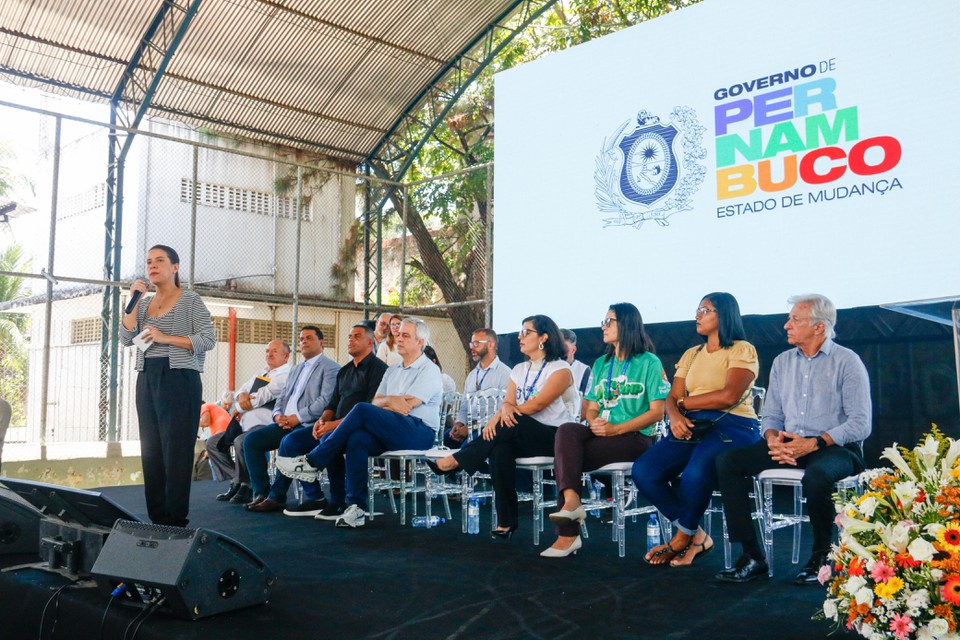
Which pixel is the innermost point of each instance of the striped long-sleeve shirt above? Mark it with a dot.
(189, 317)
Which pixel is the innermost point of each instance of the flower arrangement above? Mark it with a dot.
(896, 569)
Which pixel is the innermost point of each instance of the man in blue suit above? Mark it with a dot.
(306, 394)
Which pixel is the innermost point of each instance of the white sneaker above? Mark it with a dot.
(297, 468)
(353, 517)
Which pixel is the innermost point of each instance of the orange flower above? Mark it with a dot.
(856, 567)
(950, 592)
(906, 561)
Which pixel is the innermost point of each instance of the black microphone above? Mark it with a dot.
(133, 302)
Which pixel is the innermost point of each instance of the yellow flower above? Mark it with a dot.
(888, 589)
(949, 536)
(852, 513)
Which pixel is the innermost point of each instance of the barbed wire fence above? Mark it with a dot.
(270, 240)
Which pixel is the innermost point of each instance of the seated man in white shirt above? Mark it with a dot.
(582, 374)
(490, 373)
(250, 409)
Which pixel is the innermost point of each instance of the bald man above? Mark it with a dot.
(251, 409)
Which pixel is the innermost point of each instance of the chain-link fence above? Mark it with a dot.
(271, 238)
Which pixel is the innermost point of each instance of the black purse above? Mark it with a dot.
(702, 427)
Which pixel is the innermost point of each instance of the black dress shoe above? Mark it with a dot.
(232, 491)
(243, 496)
(268, 505)
(746, 569)
(811, 571)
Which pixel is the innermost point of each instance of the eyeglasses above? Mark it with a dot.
(477, 343)
(525, 332)
(704, 310)
(606, 322)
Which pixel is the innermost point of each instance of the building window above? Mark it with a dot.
(245, 200)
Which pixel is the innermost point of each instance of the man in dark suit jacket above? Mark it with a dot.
(306, 394)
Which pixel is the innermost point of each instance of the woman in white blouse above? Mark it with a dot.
(536, 404)
(387, 351)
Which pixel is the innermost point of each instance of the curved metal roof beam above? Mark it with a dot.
(456, 74)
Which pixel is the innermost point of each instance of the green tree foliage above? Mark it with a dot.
(14, 359)
(447, 219)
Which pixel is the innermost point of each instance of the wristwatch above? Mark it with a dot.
(821, 443)
(681, 405)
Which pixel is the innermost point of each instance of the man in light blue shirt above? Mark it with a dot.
(404, 414)
(816, 414)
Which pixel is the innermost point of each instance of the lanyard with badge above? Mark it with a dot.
(609, 399)
(525, 392)
(479, 379)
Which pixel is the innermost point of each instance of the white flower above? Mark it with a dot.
(950, 458)
(924, 633)
(907, 492)
(830, 608)
(868, 506)
(936, 574)
(896, 537)
(866, 630)
(921, 550)
(918, 508)
(927, 454)
(938, 627)
(933, 529)
(854, 584)
(864, 595)
(919, 599)
(891, 454)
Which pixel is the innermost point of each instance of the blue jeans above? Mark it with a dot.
(368, 431)
(684, 500)
(295, 444)
(257, 443)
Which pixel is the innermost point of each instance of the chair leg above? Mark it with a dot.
(537, 508)
(370, 490)
(619, 504)
(768, 524)
(727, 550)
(798, 514)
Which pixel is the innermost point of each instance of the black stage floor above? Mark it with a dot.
(388, 581)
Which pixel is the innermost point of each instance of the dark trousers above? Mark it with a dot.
(525, 439)
(367, 431)
(301, 442)
(257, 444)
(577, 450)
(735, 471)
(168, 406)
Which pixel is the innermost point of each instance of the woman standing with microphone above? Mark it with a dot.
(176, 333)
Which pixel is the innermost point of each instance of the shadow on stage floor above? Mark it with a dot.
(388, 581)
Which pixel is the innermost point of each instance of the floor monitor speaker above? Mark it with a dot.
(197, 572)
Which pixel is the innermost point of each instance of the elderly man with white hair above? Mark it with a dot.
(404, 414)
(816, 415)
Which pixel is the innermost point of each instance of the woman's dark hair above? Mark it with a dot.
(391, 339)
(431, 354)
(729, 323)
(553, 348)
(631, 335)
(173, 257)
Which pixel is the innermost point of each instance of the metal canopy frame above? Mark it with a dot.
(137, 87)
(397, 151)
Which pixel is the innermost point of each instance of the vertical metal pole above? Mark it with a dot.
(294, 339)
(115, 297)
(403, 249)
(488, 285)
(379, 214)
(366, 242)
(193, 216)
(48, 308)
(106, 313)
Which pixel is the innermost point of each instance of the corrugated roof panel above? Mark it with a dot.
(323, 73)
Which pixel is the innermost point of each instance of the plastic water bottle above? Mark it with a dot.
(653, 532)
(421, 521)
(473, 516)
(596, 493)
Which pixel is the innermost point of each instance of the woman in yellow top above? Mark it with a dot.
(713, 383)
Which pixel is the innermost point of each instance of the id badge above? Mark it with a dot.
(605, 414)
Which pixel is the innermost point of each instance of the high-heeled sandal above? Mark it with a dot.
(440, 472)
(503, 534)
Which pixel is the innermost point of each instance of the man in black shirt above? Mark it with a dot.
(357, 381)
